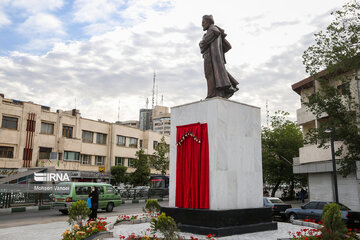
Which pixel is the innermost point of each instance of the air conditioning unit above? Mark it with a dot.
(53, 156)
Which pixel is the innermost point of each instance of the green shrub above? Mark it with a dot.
(152, 206)
(165, 225)
(334, 228)
(78, 212)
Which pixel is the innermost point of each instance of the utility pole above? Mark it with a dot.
(118, 111)
(153, 92)
(331, 131)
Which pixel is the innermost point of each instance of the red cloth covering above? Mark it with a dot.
(192, 166)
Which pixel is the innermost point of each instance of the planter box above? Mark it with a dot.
(100, 235)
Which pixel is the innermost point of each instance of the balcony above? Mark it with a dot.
(311, 153)
(304, 116)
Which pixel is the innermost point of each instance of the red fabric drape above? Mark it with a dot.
(192, 166)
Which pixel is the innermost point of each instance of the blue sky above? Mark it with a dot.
(73, 23)
(102, 51)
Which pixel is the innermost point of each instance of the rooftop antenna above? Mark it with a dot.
(147, 103)
(157, 94)
(153, 92)
(162, 100)
(119, 111)
(267, 114)
(75, 103)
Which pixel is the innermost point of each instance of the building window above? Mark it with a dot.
(85, 159)
(140, 143)
(120, 161)
(100, 160)
(9, 122)
(71, 156)
(6, 152)
(67, 131)
(155, 143)
(47, 128)
(87, 136)
(100, 138)
(131, 162)
(44, 153)
(120, 140)
(133, 142)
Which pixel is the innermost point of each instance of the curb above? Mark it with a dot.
(24, 209)
(307, 224)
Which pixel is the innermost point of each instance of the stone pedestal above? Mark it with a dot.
(235, 166)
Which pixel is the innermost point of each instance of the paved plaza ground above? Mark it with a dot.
(53, 231)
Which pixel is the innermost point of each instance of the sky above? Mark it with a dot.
(100, 56)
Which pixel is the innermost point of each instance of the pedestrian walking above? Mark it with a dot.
(302, 195)
(94, 195)
(265, 193)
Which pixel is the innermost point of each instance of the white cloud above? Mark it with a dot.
(41, 23)
(4, 19)
(93, 11)
(35, 6)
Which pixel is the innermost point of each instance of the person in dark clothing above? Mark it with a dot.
(94, 195)
(302, 195)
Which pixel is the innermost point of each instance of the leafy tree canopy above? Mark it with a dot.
(160, 159)
(337, 50)
(119, 174)
(141, 175)
(280, 144)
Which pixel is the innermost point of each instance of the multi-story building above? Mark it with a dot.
(145, 119)
(316, 162)
(161, 120)
(32, 137)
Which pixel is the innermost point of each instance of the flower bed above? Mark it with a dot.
(82, 232)
(146, 235)
(135, 218)
(315, 234)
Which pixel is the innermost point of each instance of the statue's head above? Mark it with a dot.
(207, 21)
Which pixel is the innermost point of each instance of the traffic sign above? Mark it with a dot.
(101, 169)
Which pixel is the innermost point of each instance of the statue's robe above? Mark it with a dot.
(213, 46)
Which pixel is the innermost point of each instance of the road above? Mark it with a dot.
(47, 216)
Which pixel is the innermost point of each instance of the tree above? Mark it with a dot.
(119, 174)
(334, 228)
(280, 144)
(141, 175)
(337, 50)
(160, 159)
(78, 212)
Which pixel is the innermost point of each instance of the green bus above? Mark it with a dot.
(68, 192)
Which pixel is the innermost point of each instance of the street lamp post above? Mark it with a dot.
(331, 131)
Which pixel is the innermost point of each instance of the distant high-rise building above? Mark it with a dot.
(161, 120)
(145, 119)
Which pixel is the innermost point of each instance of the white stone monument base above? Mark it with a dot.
(235, 166)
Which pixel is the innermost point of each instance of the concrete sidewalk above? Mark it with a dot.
(54, 230)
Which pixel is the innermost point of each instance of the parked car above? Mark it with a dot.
(277, 205)
(314, 210)
(108, 196)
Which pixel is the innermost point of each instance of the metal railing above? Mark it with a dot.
(24, 199)
(133, 193)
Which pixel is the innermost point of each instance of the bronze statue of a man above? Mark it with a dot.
(213, 46)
